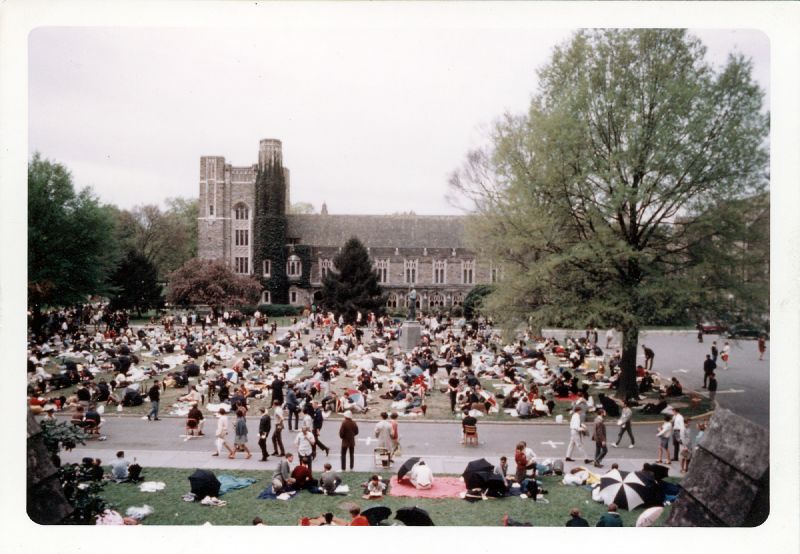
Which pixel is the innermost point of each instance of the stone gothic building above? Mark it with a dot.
(244, 210)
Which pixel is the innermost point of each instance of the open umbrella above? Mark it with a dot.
(376, 514)
(480, 474)
(406, 467)
(628, 490)
(414, 517)
(649, 516)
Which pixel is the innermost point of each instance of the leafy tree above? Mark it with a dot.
(474, 299)
(71, 241)
(136, 283)
(213, 283)
(596, 200)
(353, 285)
(302, 208)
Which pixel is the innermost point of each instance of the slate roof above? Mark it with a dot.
(375, 231)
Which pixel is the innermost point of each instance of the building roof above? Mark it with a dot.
(375, 231)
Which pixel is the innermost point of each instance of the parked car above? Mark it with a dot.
(709, 327)
(746, 332)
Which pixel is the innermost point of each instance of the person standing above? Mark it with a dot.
(223, 428)
(649, 357)
(609, 339)
(348, 432)
(264, 426)
(452, 390)
(277, 434)
(625, 425)
(599, 437)
(678, 429)
(712, 387)
(395, 434)
(240, 437)
(576, 430)
(762, 347)
(383, 432)
(304, 441)
(708, 368)
(316, 427)
(663, 435)
(725, 354)
(292, 407)
(277, 390)
(714, 352)
(154, 394)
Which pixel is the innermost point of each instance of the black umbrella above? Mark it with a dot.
(376, 514)
(414, 517)
(204, 483)
(406, 467)
(628, 490)
(480, 474)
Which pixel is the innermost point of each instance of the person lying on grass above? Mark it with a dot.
(374, 488)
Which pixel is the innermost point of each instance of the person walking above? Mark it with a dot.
(725, 354)
(264, 426)
(762, 347)
(154, 394)
(240, 437)
(708, 368)
(277, 434)
(292, 408)
(625, 425)
(576, 431)
(649, 357)
(316, 428)
(678, 429)
(599, 437)
(223, 428)
(348, 432)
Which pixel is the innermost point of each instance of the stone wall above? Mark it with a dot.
(728, 480)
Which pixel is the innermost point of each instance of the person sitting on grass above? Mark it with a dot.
(421, 476)
(119, 468)
(302, 475)
(282, 480)
(329, 481)
(611, 518)
(374, 488)
(575, 519)
(358, 519)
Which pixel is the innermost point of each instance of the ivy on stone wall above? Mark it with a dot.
(303, 252)
(269, 226)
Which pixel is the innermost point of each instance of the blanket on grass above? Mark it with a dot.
(230, 483)
(443, 487)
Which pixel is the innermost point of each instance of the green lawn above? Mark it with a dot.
(243, 505)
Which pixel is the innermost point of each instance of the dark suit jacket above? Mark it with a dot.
(348, 432)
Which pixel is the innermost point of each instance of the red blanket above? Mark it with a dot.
(443, 487)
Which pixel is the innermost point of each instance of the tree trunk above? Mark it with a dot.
(627, 387)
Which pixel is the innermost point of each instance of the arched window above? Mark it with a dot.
(241, 212)
(294, 267)
(391, 302)
(436, 301)
(458, 299)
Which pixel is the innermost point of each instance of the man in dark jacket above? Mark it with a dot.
(576, 520)
(348, 432)
(154, 394)
(319, 419)
(611, 518)
(599, 437)
(708, 368)
(277, 390)
(292, 408)
(264, 426)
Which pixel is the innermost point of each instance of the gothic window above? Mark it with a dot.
(391, 302)
(266, 267)
(241, 212)
(294, 267)
(242, 237)
(468, 271)
(436, 301)
(411, 271)
(495, 274)
(458, 299)
(211, 209)
(242, 264)
(325, 265)
(439, 272)
(382, 267)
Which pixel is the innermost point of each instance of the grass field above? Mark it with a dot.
(243, 505)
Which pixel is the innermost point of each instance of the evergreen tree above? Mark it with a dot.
(353, 285)
(136, 283)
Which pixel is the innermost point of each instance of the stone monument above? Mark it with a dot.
(411, 330)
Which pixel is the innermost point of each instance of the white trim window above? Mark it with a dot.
(242, 237)
(382, 268)
(495, 274)
(266, 297)
(266, 268)
(241, 264)
(325, 266)
(410, 272)
(439, 272)
(294, 267)
(292, 297)
(467, 272)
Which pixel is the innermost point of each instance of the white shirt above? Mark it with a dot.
(575, 422)
(677, 423)
(421, 476)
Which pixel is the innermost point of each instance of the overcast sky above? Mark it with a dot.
(372, 121)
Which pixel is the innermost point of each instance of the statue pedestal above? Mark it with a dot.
(410, 334)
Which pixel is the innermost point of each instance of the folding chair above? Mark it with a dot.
(470, 435)
(382, 457)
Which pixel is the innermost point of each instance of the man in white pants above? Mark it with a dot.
(575, 437)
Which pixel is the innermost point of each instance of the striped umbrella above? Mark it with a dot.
(628, 490)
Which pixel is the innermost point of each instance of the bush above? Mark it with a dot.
(280, 310)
